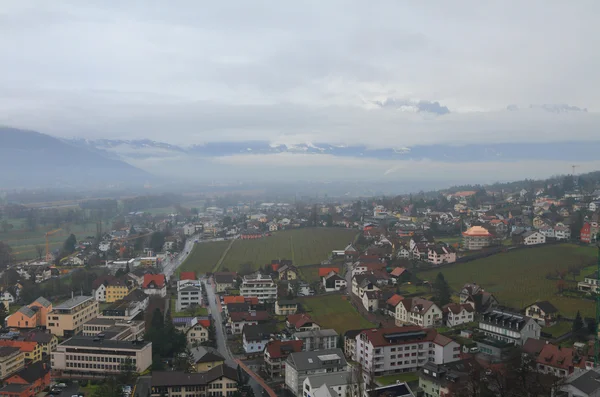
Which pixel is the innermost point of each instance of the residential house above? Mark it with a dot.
(77, 357)
(317, 339)
(418, 311)
(32, 316)
(333, 282)
(288, 272)
(403, 253)
(285, 307)
(440, 254)
(543, 312)
(194, 328)
(589, 284)
(562, 233)
(476, 238)
(456, 314)
(224, 281)
(337, 384)
(584, 383)
(594, 206)
(547, 231)
(155, 284)
(206, 358)
(480, 299)
(300, 365)
(324, 271)
(533, 238)
(448, 379)
(561, 361)
(130, 306)
(301, 322)
(512, 328)
(221, 381)
(400, 274)
(362, 283)
(46, 340)
(259, 285)
(384, 351)
(67, 318)
(28, 382)
(276, 353)
(238, 320)
(255, 337)
(6, 296)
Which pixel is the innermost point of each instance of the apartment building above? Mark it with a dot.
(67, 318)
(456, 314)
(12, 360)
(46, 340)
(261, 286)
(224, 281)
(317, 339)
(238, 320)
(221, 381)
(331, 385)
(110, 328)
(509, 327)
(387, 351)
(276, 352)
(476, 238)
(188, 295)
(155, 284)
(28, 382)
(300, 365)
(32, 351)
(127, 308)
(109, 289)
(91, 357)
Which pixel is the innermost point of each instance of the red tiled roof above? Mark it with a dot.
(275, 266)
(559, 357)
(456, 308)
(260, 315)
(274, 348)
(398, 271)
(298, 320)
(251, 300)
(157, 279)
(324, 271)
(187, 276)
(477, 231)
(205, 322)
(22, 345)
(394, 300)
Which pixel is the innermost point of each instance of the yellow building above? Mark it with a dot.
(46, 341)
(12, 360)
(67, 318)
(31, 350)
(206, 358)
(116, 290)
(285, 308)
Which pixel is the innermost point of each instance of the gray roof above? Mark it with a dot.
(26, 311)
(90, 341)
(315, 333)
(101, 321)
(330, 379)
(306, 361)
(71, 303)
(324, 391)
(177, 378)
(8, 350)
(43, 301)
(588, 382)
(202, 354)
(189, 288)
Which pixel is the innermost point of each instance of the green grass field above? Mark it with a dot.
(558, 329)
(24, 242)
(302, 246)
(334, 311)
(203, 257)
(391, 379)
(200, 311)
(518, 278)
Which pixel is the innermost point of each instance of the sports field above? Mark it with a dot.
(518, 278)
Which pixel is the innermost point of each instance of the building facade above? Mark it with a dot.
(67, 318)
(260, 286)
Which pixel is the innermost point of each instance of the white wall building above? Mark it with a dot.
(260, 286)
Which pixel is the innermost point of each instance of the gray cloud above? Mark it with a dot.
(196, 72)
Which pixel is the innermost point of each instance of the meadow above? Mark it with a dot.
(303, 246)
(334, 311)
(204, 257)
(518, 278)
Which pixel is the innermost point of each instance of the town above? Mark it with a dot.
(441, 294)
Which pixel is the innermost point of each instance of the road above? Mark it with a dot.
(171, 264)
(222, 347)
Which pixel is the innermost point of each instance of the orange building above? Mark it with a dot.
(31, 316)
(28, 382)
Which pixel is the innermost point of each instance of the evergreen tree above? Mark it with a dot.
(69, 245)
(442, 290)
(3, 314)
(578, 323)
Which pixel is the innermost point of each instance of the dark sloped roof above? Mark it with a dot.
(33, 372)
(546, 306)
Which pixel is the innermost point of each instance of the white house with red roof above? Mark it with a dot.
(456, 314)
(155, 284)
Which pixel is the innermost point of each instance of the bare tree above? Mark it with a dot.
(40, 251)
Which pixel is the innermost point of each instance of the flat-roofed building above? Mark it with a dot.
(94, 357)
(12, 359)
(110, 328)
(67, 318)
